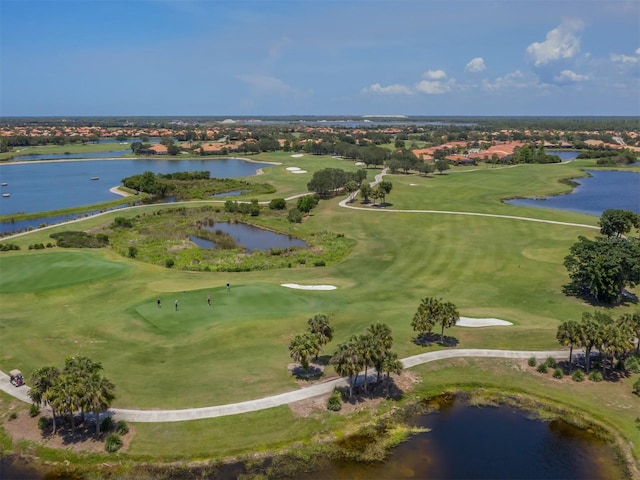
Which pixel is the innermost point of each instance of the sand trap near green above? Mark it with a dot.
(309, 287)
(481, 322)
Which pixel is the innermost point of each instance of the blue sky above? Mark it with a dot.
(319, 57)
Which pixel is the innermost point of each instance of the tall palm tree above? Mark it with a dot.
(381, 334)
(346, 362)
(448, 318)
(368, 349)
(42, 381)
(633, 322)
(567, 335)
(319, 325)
(391, 364)
(65, 395)
(98, 396)
(424, 318)
(82, 368)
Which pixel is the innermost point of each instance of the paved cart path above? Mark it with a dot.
(149, 416)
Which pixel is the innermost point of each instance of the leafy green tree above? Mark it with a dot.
(618, 222)
(366, 191)
(442, 164)
(603, 267)
(295, 215)
(567, 335)
(307, 203)
(278, 204)
(347, 362)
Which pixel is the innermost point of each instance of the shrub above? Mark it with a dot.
(169, 263)
(295, 215)
(34, 410)
(319, 263)
(577, 376)
(632, 364)
(122, 428)
(121, 222)
(113, 443)
(542, 368)
(13, 416)
(636, 387)
(132, 252)
(278, 204)
(107, 425)
(551, 362)
(595, 376)
(335, 401)
(532, 361)
(43, 423)
(558, 373)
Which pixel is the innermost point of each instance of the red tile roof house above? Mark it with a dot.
(156, 149)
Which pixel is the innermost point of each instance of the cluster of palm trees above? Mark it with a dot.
(371, 349)
(379, 192)
(612, 338)
(79, 386)
(309, 344)
(432, 312)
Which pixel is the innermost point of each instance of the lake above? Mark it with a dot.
(603, 189)
(489, 443)
(37, 187)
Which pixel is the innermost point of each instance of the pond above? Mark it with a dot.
(564, 155)
(250, 237)
(603, 189)
(37, 187)
(70, 156)
(489, 443)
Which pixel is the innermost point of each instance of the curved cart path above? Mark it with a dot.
(149, 416)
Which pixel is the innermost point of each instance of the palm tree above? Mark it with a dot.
(82, 368)
(65, 395)
(302, 347)
(98, 395)
(449, 317)
(633, 322)
(587, 337)
(423, 320)
(42, 381)
(319, 325)
(346, 362)
(567, 335)
(368, 349)
(391, 364)
(381, 334)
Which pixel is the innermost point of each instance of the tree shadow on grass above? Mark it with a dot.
(428, 339)
(314, 372)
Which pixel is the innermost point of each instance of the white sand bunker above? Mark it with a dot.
(293, 169)
(297, 155)
(360, 163)
(309, 287)
(299, 171)
(413, 184)
(481, 322)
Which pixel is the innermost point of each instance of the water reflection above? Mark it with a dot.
(250, 237)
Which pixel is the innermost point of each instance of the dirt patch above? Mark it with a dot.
(400, 384)
(23, 427)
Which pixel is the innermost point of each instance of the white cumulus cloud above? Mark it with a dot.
(511, 81)
(637, 51)
(476, 65)
(435, 74)
(567, 76)
(394, 89)
(561, 42)
(433, 87)
(621, 58)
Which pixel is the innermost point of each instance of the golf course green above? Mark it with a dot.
(97, 303)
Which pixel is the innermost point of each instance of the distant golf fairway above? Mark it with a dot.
(56, 302)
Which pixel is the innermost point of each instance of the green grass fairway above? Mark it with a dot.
(38, 272)
(55, 303)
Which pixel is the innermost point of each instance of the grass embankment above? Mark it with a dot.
(237, 349)
(72, 148)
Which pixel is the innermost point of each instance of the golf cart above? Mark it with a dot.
(16, 378)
